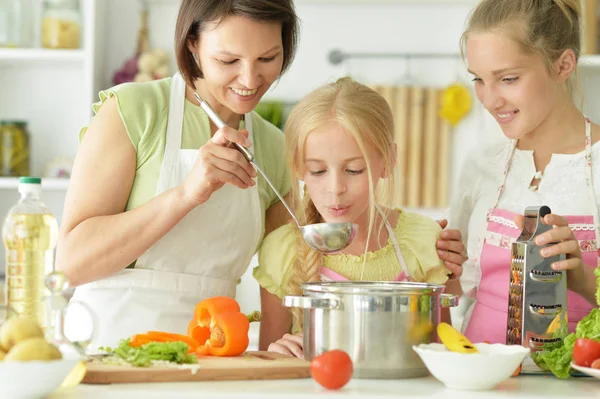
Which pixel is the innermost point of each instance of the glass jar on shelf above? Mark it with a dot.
(61, 24)
(15, 23)
(14, 145)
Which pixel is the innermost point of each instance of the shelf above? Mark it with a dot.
(18, 55)
(50, 184)
(590, 61)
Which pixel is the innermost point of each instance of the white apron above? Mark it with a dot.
(204, 255)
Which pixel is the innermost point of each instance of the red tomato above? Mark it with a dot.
(586, 351)
(332, 369)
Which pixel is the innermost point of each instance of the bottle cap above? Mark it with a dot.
(30, 180)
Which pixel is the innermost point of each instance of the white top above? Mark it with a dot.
(522, 387)
(563, 188)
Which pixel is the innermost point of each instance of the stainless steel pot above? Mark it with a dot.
(376, 323)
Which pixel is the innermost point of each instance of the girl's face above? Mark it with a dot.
(514, 87)
(335, 174)
(240, 59)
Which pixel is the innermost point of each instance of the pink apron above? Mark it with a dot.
(490, 313)
(330, 275)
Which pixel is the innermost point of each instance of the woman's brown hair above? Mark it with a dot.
(195, 14)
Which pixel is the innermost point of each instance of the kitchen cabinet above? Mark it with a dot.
(52, 90)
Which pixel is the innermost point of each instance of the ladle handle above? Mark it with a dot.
(219, 123)
(275, 191)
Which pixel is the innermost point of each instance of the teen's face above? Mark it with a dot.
(240, 59)
(514, 87)
(335, 174)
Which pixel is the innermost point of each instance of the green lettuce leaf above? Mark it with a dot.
(557, 357)
(143, 356)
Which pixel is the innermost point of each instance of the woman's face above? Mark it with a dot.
(240, 59)
(513, 86)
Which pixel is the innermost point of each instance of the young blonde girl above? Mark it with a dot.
(523, 56)
(340, 143)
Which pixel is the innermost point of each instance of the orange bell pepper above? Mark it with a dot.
(219, 327)
(139, 340)
(160, 336)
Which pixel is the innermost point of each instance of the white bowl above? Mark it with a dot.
(475, 372)
(33, 379)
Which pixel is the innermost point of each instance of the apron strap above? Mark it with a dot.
(396, 247)
(501, 188)
(174, 130)
(590, 180)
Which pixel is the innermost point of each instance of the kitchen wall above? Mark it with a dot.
(421, 26)
(405, 26)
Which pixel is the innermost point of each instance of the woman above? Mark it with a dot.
(161, 211)
(523, 55)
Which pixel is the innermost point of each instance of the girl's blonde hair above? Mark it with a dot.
(543, 27)
(364, 114)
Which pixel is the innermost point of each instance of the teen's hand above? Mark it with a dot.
(289, 345)
(565, 243)
(451, 249)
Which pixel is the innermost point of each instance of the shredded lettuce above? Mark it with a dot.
(143, 356)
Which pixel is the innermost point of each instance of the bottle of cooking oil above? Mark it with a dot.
(29, 233)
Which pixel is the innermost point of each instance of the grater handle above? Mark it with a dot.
(532, 223)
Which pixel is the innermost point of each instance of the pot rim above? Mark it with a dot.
(384, 288)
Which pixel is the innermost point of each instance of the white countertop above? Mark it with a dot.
(545, 387)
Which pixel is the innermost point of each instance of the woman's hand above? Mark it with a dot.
(289, 345)
(565, 243)
(451, 249)
(219, 163)
(580, 278)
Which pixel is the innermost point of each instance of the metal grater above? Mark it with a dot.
(537, 302)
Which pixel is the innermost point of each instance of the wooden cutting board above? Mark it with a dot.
(250, 366)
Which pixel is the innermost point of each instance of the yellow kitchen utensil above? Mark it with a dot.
(454, 340)
(456, 103)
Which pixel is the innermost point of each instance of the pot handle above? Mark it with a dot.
(305, 302)
(448, 300)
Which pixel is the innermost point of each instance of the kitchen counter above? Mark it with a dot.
(526, 387)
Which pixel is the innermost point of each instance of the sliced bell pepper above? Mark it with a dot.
(219, 327)
(139, 340)
(160, 336)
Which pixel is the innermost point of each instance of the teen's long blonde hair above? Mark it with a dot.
(364, 114)
(543, 27)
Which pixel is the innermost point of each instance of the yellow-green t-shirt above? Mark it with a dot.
(416, 235)
(144, 109)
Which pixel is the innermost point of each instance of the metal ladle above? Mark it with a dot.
(324, 237)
